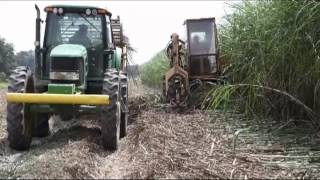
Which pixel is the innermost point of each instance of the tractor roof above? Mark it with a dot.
(77, 7)
(199, 19)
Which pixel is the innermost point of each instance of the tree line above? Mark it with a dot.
(9, 59)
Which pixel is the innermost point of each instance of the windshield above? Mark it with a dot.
(74, 28)
(202, 38)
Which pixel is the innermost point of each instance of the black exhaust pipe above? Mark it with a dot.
(38, 24)
(37, 43)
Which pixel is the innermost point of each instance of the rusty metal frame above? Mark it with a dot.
(176, 70)
(116, 26)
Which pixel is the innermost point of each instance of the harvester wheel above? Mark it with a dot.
(41, 125)
(124, 100)
(19, 118)
(110, 117)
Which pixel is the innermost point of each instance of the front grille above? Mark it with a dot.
(65, 64)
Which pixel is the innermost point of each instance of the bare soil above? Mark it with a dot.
(164, 143)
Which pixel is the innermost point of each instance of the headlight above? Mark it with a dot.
(60, 10)
(55, 10)
(88, 12)
(64, 75)
(94, 12)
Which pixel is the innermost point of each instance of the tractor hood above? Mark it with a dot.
(69, 50)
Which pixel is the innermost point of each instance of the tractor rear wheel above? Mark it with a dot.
(124, 100)
(110, 114)
(19, 118)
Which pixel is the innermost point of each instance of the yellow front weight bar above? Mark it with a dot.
(41, 98)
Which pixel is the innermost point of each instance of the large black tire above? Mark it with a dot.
(19, 118)
(41, 125)
(110, 114)
(124, 100)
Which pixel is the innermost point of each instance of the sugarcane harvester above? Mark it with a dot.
(193, 62)
(79, 69)
(176, 80)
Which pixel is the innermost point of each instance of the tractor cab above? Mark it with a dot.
(202, 52)
(77, 46)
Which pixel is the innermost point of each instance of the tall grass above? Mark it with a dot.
(273, 47)
(152, 71)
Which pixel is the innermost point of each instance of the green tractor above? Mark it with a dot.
(79, 69)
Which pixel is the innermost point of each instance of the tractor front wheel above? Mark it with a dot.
(110, 114)
(19, 118)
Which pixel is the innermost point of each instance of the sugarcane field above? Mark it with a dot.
(160, 89)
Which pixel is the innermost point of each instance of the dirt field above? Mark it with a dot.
(162, 143)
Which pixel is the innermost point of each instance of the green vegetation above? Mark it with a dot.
(6, 56)
(8, 59)
(3, 85)
(152, 71)
(273, 47)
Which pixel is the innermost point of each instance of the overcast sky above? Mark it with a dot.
(148, 24)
